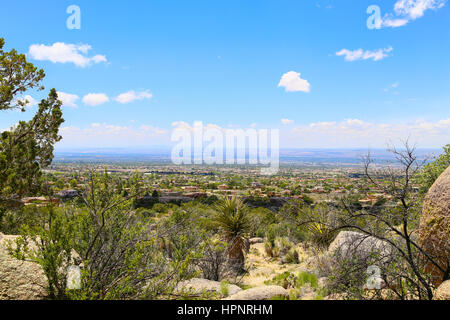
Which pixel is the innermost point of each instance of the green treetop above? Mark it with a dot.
(28, 146)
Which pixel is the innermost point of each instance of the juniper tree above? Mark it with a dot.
(27, 147)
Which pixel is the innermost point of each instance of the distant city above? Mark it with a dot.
(335, 157)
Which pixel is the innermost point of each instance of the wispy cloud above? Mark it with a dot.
(292, 82)
(111, 135)
(358, 133)
(360, 54)
(406, 11)
(350, 133)
(61, 52)
(131, 96)
(287, 121)
(392, 88)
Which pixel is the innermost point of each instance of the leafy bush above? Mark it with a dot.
(224, 289)
(305, 278)
(213, 263)
(119, 256)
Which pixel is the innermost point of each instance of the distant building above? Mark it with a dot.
(356, 175)
(257, 185)
(318, 190)
(196, 195)
(171, 194)
(68, 194)
(189, 188)
(222, 187)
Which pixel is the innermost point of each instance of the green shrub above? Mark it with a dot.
(304, 278)
(292, 256)
(224, 288)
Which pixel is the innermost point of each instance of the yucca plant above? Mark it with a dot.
(321, 235)
(233, 221)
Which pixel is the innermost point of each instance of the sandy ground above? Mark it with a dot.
(262, 268)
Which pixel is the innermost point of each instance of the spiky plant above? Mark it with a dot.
(321, 235)
(233, 221)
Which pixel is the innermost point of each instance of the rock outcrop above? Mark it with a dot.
(443, 292)
(198, 286)
(19, 280)
(434, 230)
(260, 293)
(354, 244)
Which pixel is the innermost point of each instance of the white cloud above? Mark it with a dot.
(131, 96)
(292, 82)
(68, 99)
(409, 10)
(186, 126)
(287, 121)
(61, 52)
(395, 23)
(416, 8)
(152, 130)
(358, 133)
(392, 88)
(95, 99)
(350, 133)
(361, 54)
(111, 135)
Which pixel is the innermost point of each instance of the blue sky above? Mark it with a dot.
(236, 64)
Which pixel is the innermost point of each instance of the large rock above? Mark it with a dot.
(434, 230)
(19, 280)
(260, 293)
(198, 286)
(443, 292)
(350, 244)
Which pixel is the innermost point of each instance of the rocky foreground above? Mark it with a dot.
(21, 280)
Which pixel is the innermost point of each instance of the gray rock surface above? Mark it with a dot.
(260, 293)
(198, 285)
(19, 280)
(353, 244)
